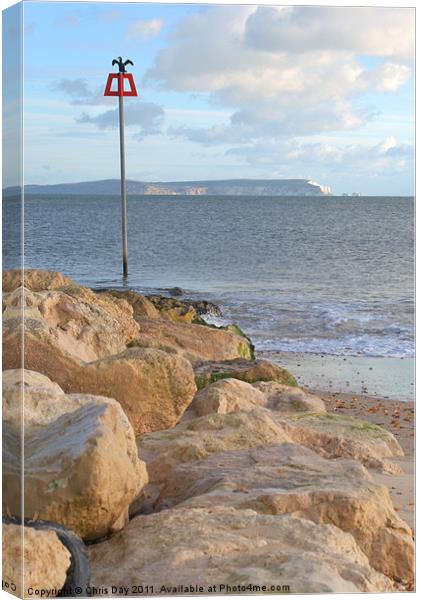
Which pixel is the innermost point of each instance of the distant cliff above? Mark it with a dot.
(229, 187)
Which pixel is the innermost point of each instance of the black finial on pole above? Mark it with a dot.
(122, 65)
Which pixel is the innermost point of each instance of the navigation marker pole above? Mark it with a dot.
(122, 76)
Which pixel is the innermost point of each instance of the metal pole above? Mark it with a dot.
(123, 189)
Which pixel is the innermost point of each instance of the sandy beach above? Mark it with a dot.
(385, 377)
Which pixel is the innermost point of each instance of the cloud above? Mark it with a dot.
(375, 31)
(75, 88)
(144, 30)
(387, 157)
(285, 71)
(146, 115)
(388, 77)
(80, 94)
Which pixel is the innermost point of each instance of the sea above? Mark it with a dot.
(307, 278)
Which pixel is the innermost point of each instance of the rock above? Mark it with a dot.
(343, 436)
(228, 547)
(240, 368)
(175, 310)
(176, 291)
(284, 398)
(31, 399)
(196, 342)
(34, 280)
(46, 560)
(78, 573)
(201, 437)
(226, 396)
(204, 307)
(154, 387)
(81, 470)
(142, 307)
(44, 402)
(290, 479)
(83, 324)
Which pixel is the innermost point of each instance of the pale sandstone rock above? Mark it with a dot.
(343, 436)
(290, 479)
(82, 470)
(196, 342)
(32, 400)
(225, 546)
(225, 396)
(83, 324)
(154, 387)
(240, 368)
(201, 437)
(142, 307)
(284, 398)
(34, 279)
(46, 560)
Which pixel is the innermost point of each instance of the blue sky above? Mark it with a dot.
(224, 92)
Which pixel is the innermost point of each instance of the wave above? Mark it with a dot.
(367, 345)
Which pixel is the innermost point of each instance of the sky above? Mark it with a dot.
(320, 93)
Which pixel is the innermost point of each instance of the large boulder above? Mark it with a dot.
(207, 372)
(201, 437)
(46, 561)
(83, 324)
(142, 306)
(334, 435)
(34, 280)
(225, 396)
(232, 395)
(287, 399)
(196, 342)
(81, 470)
(226, 548)
(154, 387)
(290, 479)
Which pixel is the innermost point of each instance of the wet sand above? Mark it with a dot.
(397, 417)
(382, 377)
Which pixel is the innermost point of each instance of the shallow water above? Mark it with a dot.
(331, 275)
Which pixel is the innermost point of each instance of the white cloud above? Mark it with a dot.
(388, 77)
(144, 30)
(387, 157)
(375, 31)
(285, 71)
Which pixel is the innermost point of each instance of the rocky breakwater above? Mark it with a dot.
(248, 458)
(203, 466)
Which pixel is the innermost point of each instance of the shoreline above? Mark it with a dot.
(384, 378)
